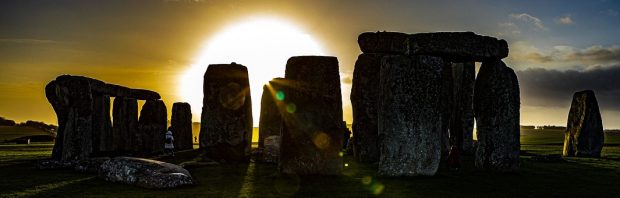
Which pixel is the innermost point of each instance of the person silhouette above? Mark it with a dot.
(169, 143)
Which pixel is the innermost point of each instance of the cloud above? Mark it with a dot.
(509, 28)
(565, 20)
(554, 88)
(563, 56)
(538, 24)
(27, 41)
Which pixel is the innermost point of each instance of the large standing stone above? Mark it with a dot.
(102, 124)
(462, 120)
(458, 46)
(447, 108)
(78, 128)
(145, 173)
(226, 127)
(125, 125)
(271, 107)
(61, 106)
(496, 107)
(584, 134)
(410, 115)
(181, 123)
(365, 101)
(312, 135)
(152, 127)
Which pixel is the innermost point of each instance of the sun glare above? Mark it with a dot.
(263, 45)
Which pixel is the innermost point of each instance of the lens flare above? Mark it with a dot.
(280, 95)
(291, 108)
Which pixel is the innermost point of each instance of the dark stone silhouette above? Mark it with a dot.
(383, 42)
(584, 132)
(181, 124)
(447, 106)
(365, 103)
(125, 125)
(82, 107)
(452, 46)
(462, 120)
(496, 107)
(145, 173)
(102, 124)
(271, 107)
(312, 133)
(410, 115)
(152, 127)
(226, 127)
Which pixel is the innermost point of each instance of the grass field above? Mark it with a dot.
(8, 133)
(576, 177)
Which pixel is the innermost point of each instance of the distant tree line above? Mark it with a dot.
(34, 124)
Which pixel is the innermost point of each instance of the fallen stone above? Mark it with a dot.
(496, 107)
(144, 173)
(91, 165)
(152, 127)
(226, 127)
(383, 42)
(584, 135)
(458, 46)
(311, 139)
(410, 115)
(181, 124)
(365, 102)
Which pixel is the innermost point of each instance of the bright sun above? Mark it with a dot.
(263, 45)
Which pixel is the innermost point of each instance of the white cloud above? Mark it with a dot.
(535, 21)
(565, 20)
(564, 57)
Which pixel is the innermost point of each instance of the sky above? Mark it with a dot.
(557, 47)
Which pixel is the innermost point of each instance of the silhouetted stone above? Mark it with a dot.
(144, 173)
(447, 108)
(152, 127)
(270, 119)
(56, 98)
(77, 129)
(271, 153)
(125, 126)
(458, 46)
(365, 102)
(383, 42)
(584, 132)
(181, 123)
(113, 90)
(226, 127)
(102, 124)
(462, 120)
(410, 115)
(312, 132)
(496, 107)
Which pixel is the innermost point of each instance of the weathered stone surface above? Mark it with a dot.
(365, 102)
(144, 173)
(584, 132)
(152, 127)
(271, 108)
(496, 107)
(102, 125)
(90, 165)
(226, 127)
(181, 123)
(462, 120)
(383, 42)
(271, 153)
(113, 90)
(57, 99)
(447, 108)
(125, 126)
(77, 129)
(312, 131)
(410, 115)
(458, 46)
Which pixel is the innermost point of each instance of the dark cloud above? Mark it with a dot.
(554, 88)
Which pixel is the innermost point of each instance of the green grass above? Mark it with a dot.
(577, 177)
(13, 132)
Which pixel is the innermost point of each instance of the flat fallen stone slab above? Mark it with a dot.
(144, 173)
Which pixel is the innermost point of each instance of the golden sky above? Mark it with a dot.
(150, 44)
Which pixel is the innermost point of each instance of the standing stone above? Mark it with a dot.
(410, 115)
(496, 107)
(311, 139)
(270, 119)
(181, 123)
(61, 107)
(152, 127)
(102, 124)
(447, 108)
(365, 101)
(462, 120)
(77, 133)
(584, 134)
(125, 126)
(226, 127)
